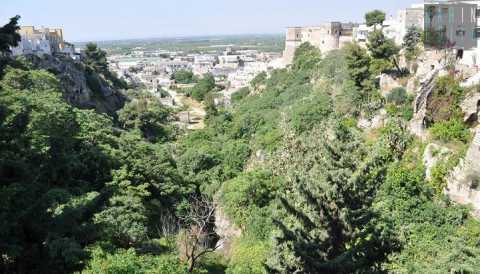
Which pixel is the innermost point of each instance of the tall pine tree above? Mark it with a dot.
(325, 224)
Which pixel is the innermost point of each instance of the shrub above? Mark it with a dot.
(397, 96)
(451, 130)
(93, 82)
(204, 85)
(128, 262)
(438, 176)
(240, 195)
(306, 115)
(306, 60)
(334, 66)
(248, 257)
(443, 104)
(255, 83)
(184, 77)
(240, 94)
(404, 111)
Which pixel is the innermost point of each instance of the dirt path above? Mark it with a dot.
(197, 113)
(195, 109)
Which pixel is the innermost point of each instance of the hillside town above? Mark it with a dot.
(457, 19)
(345, 146)
(232, 69)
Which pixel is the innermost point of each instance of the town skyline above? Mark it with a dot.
(109, 20)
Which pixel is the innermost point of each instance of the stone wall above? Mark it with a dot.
(326, 37)
(463, 183)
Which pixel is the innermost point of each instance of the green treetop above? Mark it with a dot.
(375, 18)
(9, 36)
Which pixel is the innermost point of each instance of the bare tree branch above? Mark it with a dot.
(198, 235)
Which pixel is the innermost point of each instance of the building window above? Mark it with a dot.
(477, 13)
(477, 33)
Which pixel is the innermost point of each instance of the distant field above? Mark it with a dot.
(212, 44)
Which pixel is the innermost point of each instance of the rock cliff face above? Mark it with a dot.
(81, 88)
(226, 230)
(470, 107)
(417, 124)
(387, 83)
(431, 157)
(463, 183)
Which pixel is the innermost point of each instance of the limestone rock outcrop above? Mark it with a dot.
(432, 156)
(417, 124)
(387, 83)
(471, 107)
(76, 84)
(464, 182)
(375, 122)
(225, 229)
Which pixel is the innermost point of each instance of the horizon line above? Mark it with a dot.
(174, 37)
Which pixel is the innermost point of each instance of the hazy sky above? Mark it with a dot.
(85, 20)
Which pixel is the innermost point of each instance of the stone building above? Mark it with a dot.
(454, 24)
(407, 18)
(327, 37)
(451, 24)
(394, 27)
(41, 41)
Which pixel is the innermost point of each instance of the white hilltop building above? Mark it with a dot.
(43, 41)
(335, 35)
(394, 27)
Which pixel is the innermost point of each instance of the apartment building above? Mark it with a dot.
(454, 25)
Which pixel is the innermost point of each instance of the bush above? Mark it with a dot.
(405, 111)
(397, 96)
(240, 94)
(255, 83)
(438, 176)
(93, 82)
(240, 195)
(451, 130)
(184, 77)
(306, 60)
(334, 67)
(248, 257)
(443, 104)
(306, 114)
(128, 262)
(205, 85)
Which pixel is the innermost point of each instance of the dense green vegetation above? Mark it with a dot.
(71, 178)
(208, 44)
(184, 77)
(304, 188)
(203, 86)
(96, 64)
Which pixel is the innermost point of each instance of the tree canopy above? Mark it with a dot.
(375, 18)
(286, 180)
(9, 37)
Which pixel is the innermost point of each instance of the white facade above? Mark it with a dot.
(42, 41)
(395, 27)
(242, 77)
(203, 64)
(232, 61)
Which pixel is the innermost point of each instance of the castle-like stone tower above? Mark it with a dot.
(326, 37)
